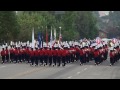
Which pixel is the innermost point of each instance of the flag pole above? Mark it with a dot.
(46, 36)
(33, 38)
(60, 36)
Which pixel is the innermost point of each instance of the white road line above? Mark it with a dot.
(69, 77)
(78, 72)
(85, 68)
(2, 66)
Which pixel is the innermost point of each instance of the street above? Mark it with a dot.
(70, 71)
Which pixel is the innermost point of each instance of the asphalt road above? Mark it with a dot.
(70, 71)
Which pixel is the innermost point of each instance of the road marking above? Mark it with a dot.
(78, 72)
(2, 66)
(69, 77)
(85, 68)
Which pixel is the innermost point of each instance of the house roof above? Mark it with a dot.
(103, 31)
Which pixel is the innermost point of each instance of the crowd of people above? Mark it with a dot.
(61, 54)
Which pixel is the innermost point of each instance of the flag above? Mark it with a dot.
(98, 40)
(42, 40)
(46, 37)
(33, 39)
(60, 37)
(114, 40)
(55, 34)
(51, 38)
(39, 40)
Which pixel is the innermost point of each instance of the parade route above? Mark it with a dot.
(70, 71)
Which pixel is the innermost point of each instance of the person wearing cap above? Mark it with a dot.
(32, 56)
(45, 56)
(59, 52)
(19, 54)
(16, 55)
(64, 54)
(81, 56)
(71, 54)
(77, 52)
(106, 51)
(96, 56)
(11, 54)
(7, 54)
(36, 56)
(50, 56)
(27, 55)
(112, 54)
(22, 51)
(41, 55)
(3, 55)
(86, 54)
(54, 56)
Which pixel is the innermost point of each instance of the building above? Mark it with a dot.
(103, 13)
(103, 34)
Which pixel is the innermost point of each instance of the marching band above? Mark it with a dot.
(82, 52)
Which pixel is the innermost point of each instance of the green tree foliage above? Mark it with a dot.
(75, 24)
(86, 24)
(9, 27)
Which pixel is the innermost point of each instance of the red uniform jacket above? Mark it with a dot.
(54, 52)
(77, 50)
(2, 53)
(20, 52)
(111, 54)
(50, 53)
(32, 53)
(41, 52)
(96, 53)
(11, 51)
(27, 51)
(64, 53)
(59, 53)
(81, 52)
(6, 52)
(16, 51)
(36, 53)
(45, 52)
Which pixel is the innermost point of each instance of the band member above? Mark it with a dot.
(11, 54)
(54, 56)
(19, 55)
(16, 55)
(3, 55)
(96, 56)
(59, 56)
(41, 56)
(81, 56)
(28, 55)
(45, 56)
(64, 54)
(36, 56)
(50, 56)
(112, 54)
(32, 56)
(7, 54)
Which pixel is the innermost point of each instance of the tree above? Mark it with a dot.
(9, 27)
(38, 20)
(86, 24)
